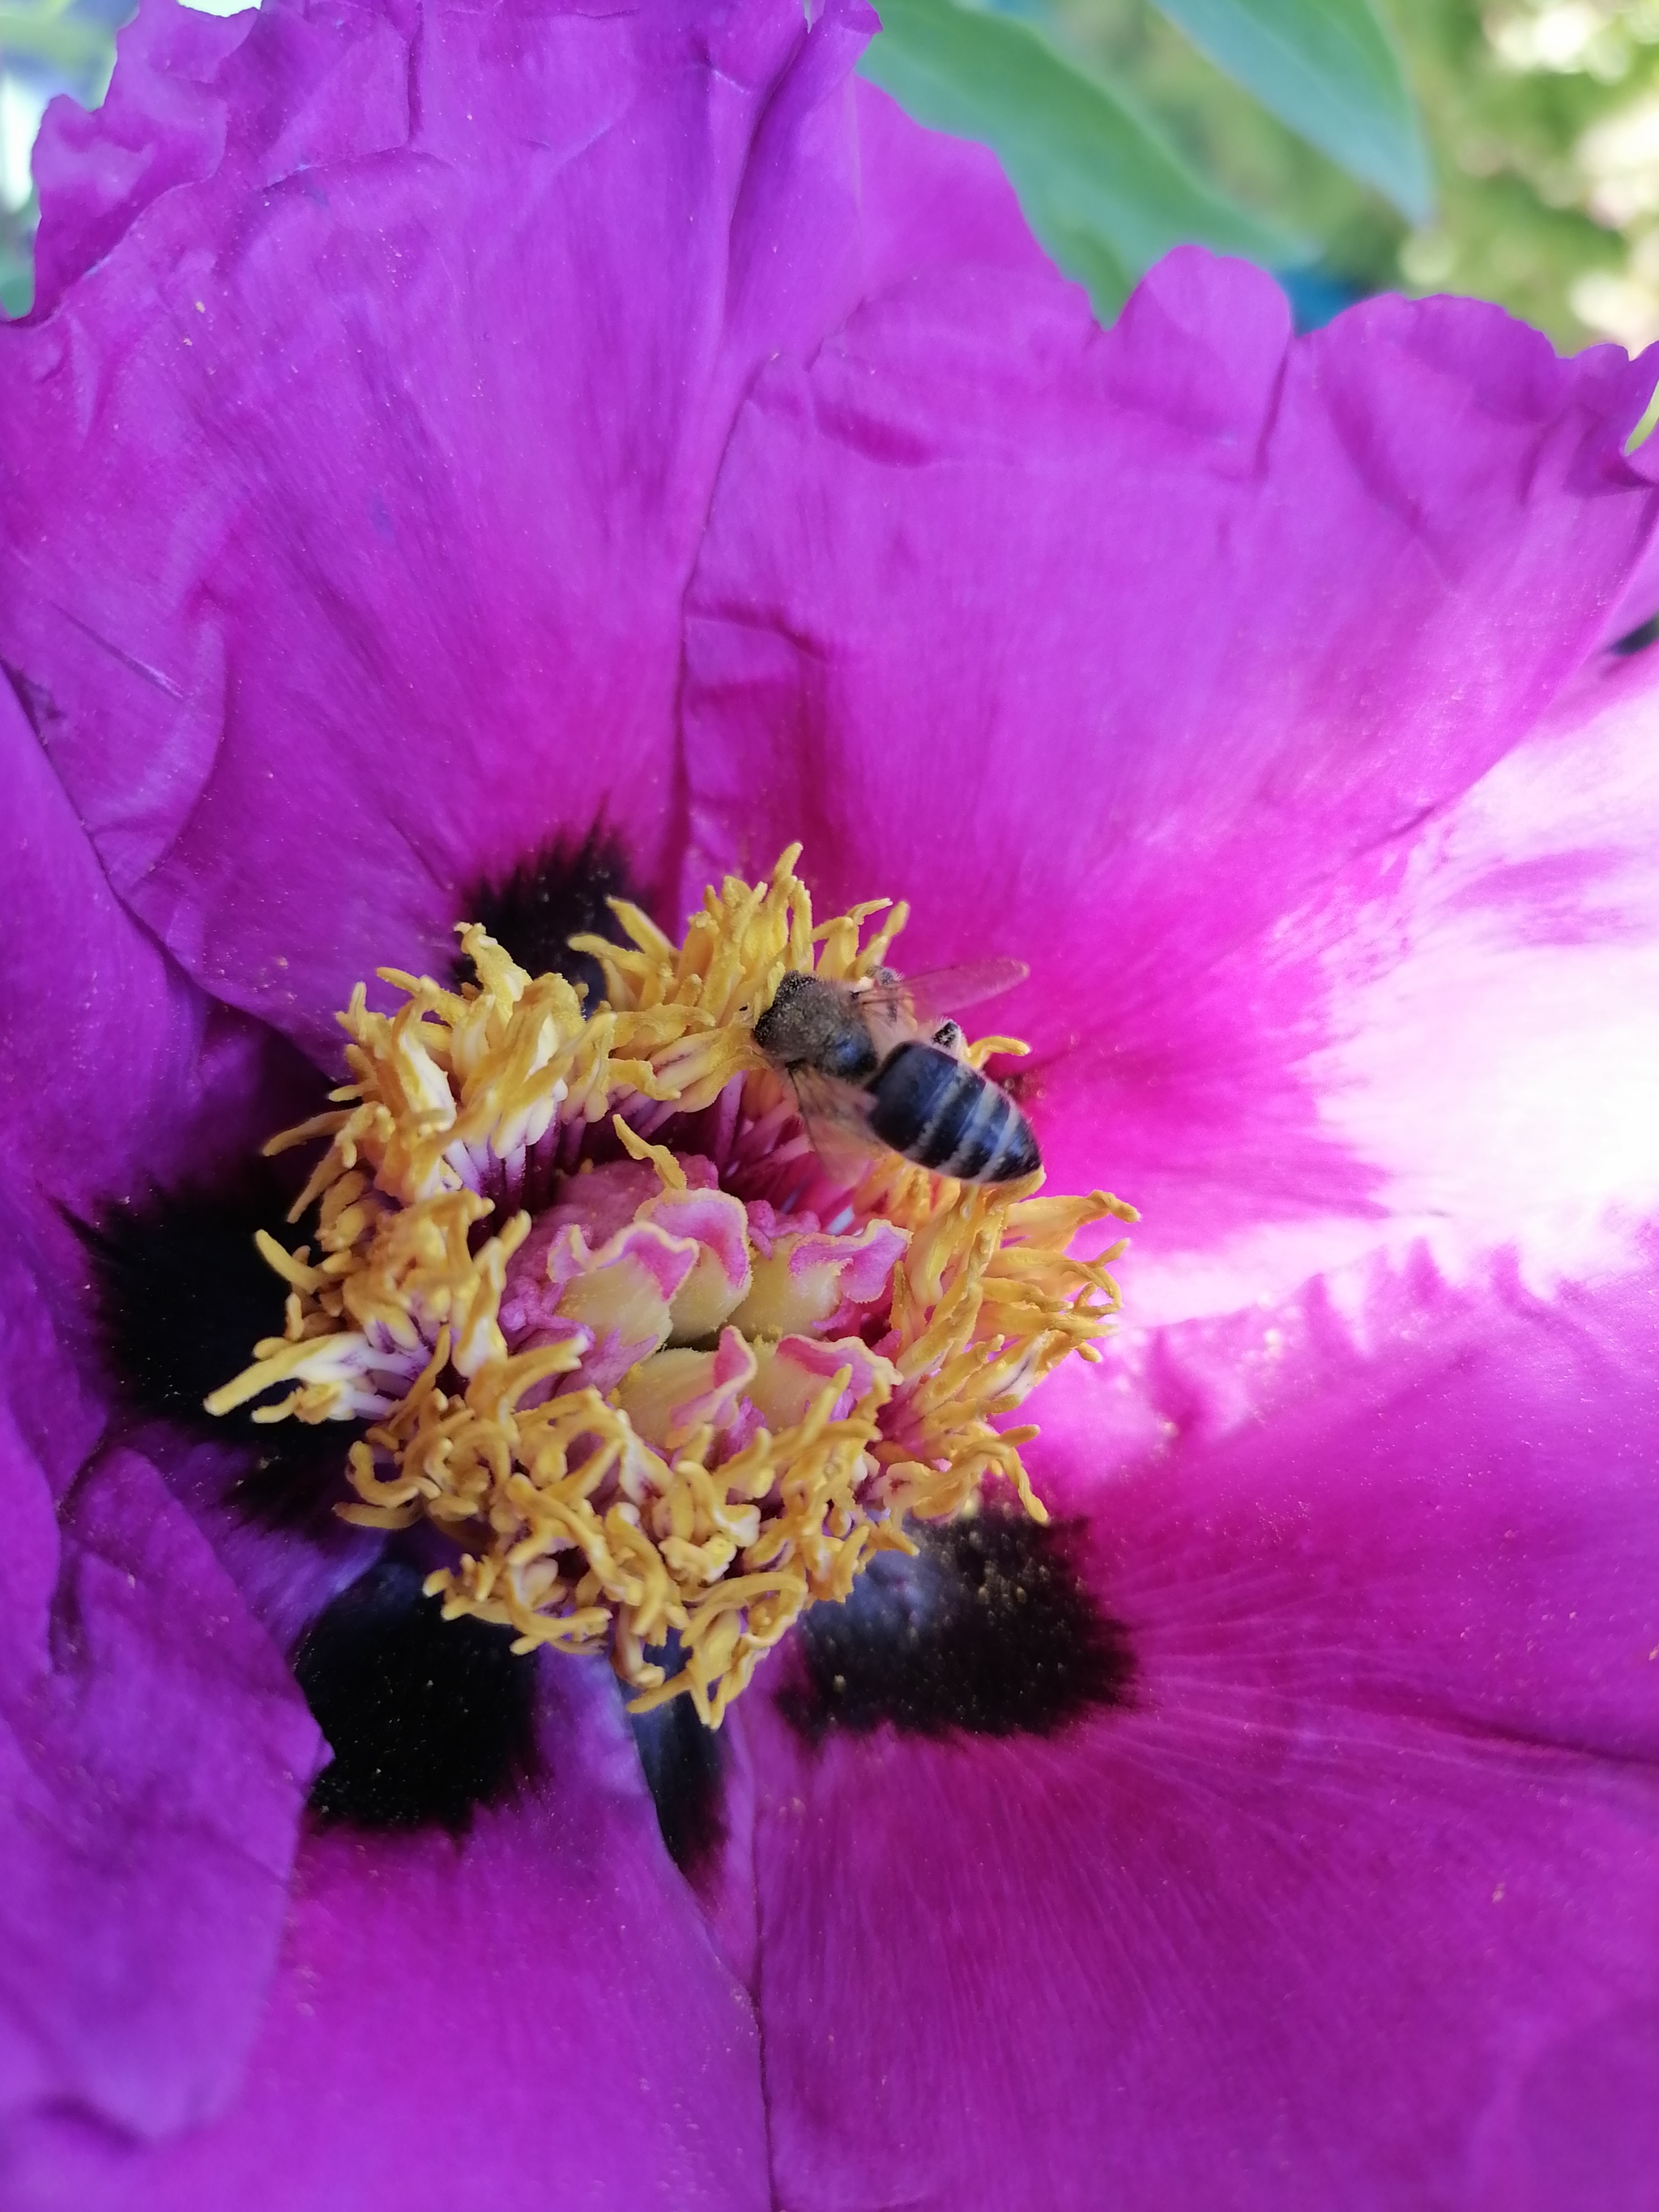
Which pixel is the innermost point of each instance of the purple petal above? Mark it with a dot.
(161, 125)
(155, 1756)
(156, 1751)
(356, 470)
(931, 204)
(1112, 651)
(532, 2014)
(281, 1543)
(118, 1076)
(1354, 1902)
(1487, 1049)
(1460, 1017)
(99, 1034)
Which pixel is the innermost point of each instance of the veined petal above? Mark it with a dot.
(1450, 1040)
(108, 1053)
(156, 1753)
(568, 1997)
(1131, 653)
(933, 203)
(354, 476)
(118, 1078)
(1491, 1051)
(1353, 1900)
(155, 1757)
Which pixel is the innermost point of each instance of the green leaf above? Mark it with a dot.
(80, 47)
(1329, 69)
(1103, 192)
(17, 285)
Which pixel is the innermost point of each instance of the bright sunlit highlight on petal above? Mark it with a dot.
(1504, 1072)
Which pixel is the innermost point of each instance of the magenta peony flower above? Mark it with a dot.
(464, 464)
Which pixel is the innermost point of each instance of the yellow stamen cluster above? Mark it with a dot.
(575, 1529)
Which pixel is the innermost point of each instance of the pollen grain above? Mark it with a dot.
(617, 1335)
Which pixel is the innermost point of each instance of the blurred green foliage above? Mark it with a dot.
(47, 46)
(1542, 123)
(16, 263)
(1100, 185)
(1330, 69)
(1520, 216)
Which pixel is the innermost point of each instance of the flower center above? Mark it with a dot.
(662, 1376)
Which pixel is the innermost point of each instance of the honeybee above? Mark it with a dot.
(876, 1059)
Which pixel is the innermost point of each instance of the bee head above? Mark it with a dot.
(778, 1032)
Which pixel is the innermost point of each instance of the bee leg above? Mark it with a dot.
(948, 1035)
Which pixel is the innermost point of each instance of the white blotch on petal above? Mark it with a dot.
(1499, 1060)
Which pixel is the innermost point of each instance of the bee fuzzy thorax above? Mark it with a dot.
(661, 1375)
(809, 1024)
(861, 1060)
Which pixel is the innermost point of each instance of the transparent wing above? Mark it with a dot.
(910, 1003)
(836, 1117)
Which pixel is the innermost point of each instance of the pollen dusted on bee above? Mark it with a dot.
(662, 1374)
(860, 1062)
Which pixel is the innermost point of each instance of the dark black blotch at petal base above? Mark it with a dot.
(427, 1718)
(558, 894)
(989, 1631)
(183, 1296)
(1637, 639)
(681, 1761)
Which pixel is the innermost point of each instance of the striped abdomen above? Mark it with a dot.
(944, 1114)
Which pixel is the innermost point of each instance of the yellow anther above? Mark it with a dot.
(710, 1494)
(672, 1174)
